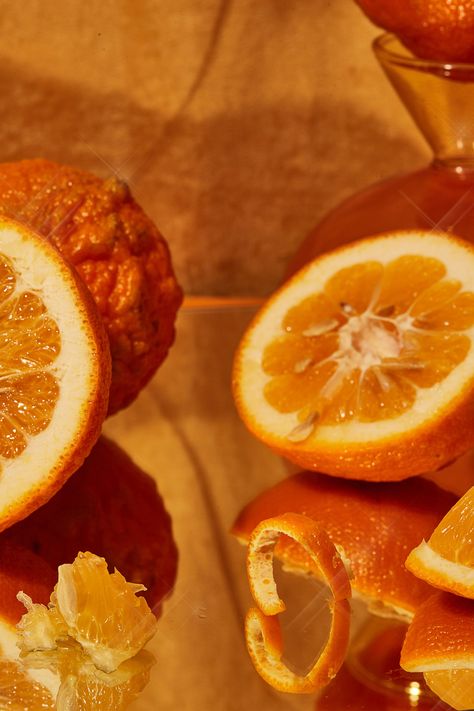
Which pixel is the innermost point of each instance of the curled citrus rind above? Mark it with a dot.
(262, 628)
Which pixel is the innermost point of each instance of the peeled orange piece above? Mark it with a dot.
(362, 364)
(374, 525)
(447, 560)
(440, 643)
(262, 629)
(54, 371)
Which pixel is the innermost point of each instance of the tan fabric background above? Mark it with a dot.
(238, 123)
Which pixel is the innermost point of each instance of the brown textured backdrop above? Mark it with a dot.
(238, 123)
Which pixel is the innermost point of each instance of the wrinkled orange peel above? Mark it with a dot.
(262, 627)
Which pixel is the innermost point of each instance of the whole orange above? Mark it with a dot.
(441, 30)
(118, 252)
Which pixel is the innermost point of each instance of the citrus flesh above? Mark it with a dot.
(361, 365)
(89, 638)
(111, 507)
(440, 643)
(262, 629)
(442, 30)
(446, 561)
(375, 526)
(54, 369)
(116, 250)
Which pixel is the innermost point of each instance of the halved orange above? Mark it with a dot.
(440, 643)
(447, 560)
(373, 525)
(262, 628)
(54, 371)
(362, 364)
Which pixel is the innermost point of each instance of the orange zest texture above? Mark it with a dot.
(446, 561)
(262, 627)
(440, 643)
(361, 365)
(55, 371)
(375, 527)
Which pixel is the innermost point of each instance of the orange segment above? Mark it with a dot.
(447, 560)
(440, 643)
(262, 627)
(360, 365)
(375, 525)
(54, 372)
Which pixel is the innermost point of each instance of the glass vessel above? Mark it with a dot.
(440, 99)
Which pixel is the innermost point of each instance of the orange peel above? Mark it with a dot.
(262, 627)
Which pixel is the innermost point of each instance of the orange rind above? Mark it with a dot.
(262, 629)
(375, 525)
(446, 561)
(361, 365)
(55, 369)
(440, 643)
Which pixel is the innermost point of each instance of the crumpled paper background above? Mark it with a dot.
(237, 123)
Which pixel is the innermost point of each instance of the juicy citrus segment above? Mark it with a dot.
(262, 628)
(440, 643)
(54, 372)
(19, 692)
(361, 364)
(97, 609)
(447, 560)
(376, 530)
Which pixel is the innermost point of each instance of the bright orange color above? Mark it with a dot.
(376, 525)
(55, 365)
(262, 628)
(115, 248)
(114, 509)
(447, 560)
(439, 29)
(358, 365)
(440, 643)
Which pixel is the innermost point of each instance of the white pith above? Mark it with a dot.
(430, 560)
(39, 270)
(10, 652)
(459, 263)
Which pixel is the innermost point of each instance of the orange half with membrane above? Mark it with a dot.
(362, 365)
(54, 372)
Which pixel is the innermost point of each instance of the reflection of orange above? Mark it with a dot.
(439, 29)
(110, 507)
(447, 560)
(440, 643)
(359, 365)
(116, 249)
(376, 525)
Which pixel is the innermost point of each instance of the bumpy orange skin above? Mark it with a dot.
(112, 508)
(441, 30)
(375, 525)
(117, 251)
(442, 631)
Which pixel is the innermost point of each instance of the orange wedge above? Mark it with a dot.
(55, 372)
(362, 364)
(262, 629)
(447, 560)
(374, 525)
(440, 643)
